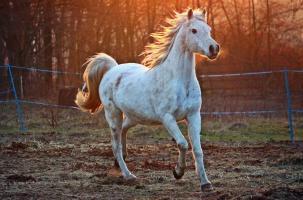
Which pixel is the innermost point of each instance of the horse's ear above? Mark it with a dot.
(190, 13)
(204, 14)
(204, 11)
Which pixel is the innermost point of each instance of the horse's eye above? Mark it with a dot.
(194, 31)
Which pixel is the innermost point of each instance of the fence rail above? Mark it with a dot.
(250, 73)
(17, 101)
(33, 69)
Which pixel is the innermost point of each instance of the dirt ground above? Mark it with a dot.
(76, 166)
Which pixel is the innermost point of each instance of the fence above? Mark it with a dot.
(253, 93)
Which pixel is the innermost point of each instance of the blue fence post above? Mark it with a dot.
(17, 102)
(289, 106)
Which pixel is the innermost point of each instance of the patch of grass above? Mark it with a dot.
(257, 129)
(39, 119)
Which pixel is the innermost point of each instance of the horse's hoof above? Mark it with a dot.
(176, 175)
(207, 187)
(130, 177)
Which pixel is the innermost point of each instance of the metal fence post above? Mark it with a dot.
(289, 106)
(17, 102)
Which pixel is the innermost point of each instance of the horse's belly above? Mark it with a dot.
(136, 105)
(141, 117)
(145, 121)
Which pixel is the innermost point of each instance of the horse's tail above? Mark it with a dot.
(88, 99)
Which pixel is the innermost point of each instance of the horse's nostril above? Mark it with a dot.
(211, 49)
(218, 48)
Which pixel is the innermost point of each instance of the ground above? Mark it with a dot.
(74, 161)
(56, 166)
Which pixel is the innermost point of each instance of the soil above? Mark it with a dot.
(79, 166)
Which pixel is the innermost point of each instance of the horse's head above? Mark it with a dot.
(198, 35)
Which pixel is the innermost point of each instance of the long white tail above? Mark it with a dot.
(97, 66)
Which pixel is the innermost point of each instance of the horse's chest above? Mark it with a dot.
(186, 101)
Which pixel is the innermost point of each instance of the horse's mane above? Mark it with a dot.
(156, 52)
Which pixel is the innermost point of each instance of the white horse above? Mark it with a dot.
(165, 92)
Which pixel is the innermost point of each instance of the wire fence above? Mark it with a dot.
(268, 93)
(254, 92)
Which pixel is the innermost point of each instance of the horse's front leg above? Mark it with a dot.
(171, 125)
(194, 129)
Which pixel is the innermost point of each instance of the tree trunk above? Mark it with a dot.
(47, 43)
(268, 13)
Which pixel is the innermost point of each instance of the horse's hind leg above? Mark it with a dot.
(114, 119)
(127, 124)
(171, 125)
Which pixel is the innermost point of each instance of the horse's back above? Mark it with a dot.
(117, 77)
(121, 71)
(129, 68)
(127, 87)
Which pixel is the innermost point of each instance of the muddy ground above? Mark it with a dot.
(77, 166)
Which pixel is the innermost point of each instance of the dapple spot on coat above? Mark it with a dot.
(118, 81)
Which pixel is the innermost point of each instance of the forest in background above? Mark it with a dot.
(255, 35)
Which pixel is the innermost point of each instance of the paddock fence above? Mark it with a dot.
(269, 94)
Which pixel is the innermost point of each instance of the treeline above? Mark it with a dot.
(61, 34)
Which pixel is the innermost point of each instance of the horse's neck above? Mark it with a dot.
(179, 64)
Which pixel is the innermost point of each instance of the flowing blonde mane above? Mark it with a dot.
(156, 52)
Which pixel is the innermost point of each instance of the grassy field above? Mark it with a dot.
(218, 129)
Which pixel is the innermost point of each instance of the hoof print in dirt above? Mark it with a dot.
(20, 178)
(160, 179)
(207, 187)
(15, 146)
(139, 187)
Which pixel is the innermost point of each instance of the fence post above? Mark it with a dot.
(17, 102)
(289, 106)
